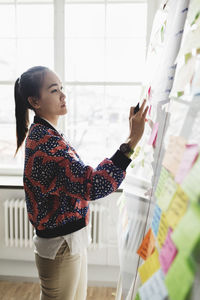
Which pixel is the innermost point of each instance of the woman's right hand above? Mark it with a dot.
(136, 124)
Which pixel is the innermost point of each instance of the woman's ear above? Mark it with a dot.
(34, 102)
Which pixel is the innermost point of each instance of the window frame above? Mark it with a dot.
(59, 51)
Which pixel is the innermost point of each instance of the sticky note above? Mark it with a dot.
(177, 208)
(147, 246)
(190, 42)
(191, 183)
(179, 279)
(156, 219)
(167, 253)
(167, 189)
(153, 137)
(163, 229)
(184, 75)
(149, 93)
(149, 112)
(149, 267)
(188, 159)
(137, 297)
(163, 175)
(154, 288)
(174, 154)
(193, 11)
(187, 233)
(195, 87)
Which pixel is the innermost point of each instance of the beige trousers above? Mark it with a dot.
(65, 277)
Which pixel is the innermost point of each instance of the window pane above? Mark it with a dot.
(7, 21)
(31, 1)
(25, 40)
(8, 1)
(34, 20)
(8, 130)
(16, 54)
(33, 52)
(8, 147)
(119, 99)
(7, 59)
(125, 59)
(127, 19)
(8, 141)
(7, 113)
(84, 59)
(84, 20)
(84, 121)
(97, 119)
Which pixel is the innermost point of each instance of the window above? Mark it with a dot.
(97, 47)
(25, 40)
(105, 44)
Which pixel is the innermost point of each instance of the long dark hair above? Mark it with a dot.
(27, 85)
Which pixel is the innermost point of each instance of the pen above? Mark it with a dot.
(136, 109)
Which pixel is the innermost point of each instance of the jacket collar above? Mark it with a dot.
(41, 121)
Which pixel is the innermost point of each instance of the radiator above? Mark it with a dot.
(19, 230)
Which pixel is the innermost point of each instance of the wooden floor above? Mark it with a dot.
(30, 291)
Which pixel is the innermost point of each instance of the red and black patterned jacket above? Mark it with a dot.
(58, 186)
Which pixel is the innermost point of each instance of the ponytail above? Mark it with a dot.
(21, 115)
(29, 84)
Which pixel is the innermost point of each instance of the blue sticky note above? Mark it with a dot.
(156, 219)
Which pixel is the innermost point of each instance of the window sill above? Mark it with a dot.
(11, 182)
(16, 182)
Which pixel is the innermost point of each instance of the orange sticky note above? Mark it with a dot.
(147, 246)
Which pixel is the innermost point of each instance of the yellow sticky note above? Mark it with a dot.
(163, 229)
(149, 267)
(177, 208)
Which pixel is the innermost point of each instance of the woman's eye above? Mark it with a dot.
(56, 90)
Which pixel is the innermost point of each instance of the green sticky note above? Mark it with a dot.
(162, 33)
(196, 252)
(186, 235)
(179, 278)
(187, 57)
(137, 297)
(163, 175)
(166, 189)
(191, 183)
(196, 18)
(167, 193)
(179, 94)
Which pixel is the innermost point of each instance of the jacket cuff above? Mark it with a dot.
(120, 160)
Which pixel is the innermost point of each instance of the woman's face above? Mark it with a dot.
(52, 99)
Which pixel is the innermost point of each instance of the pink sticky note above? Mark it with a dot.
(149, 112)
(167, 253)
(189, 157)
(152, 139)
(149, 93)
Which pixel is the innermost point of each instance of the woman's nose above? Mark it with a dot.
(62, 95)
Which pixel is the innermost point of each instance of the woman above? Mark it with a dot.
(58, 186)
